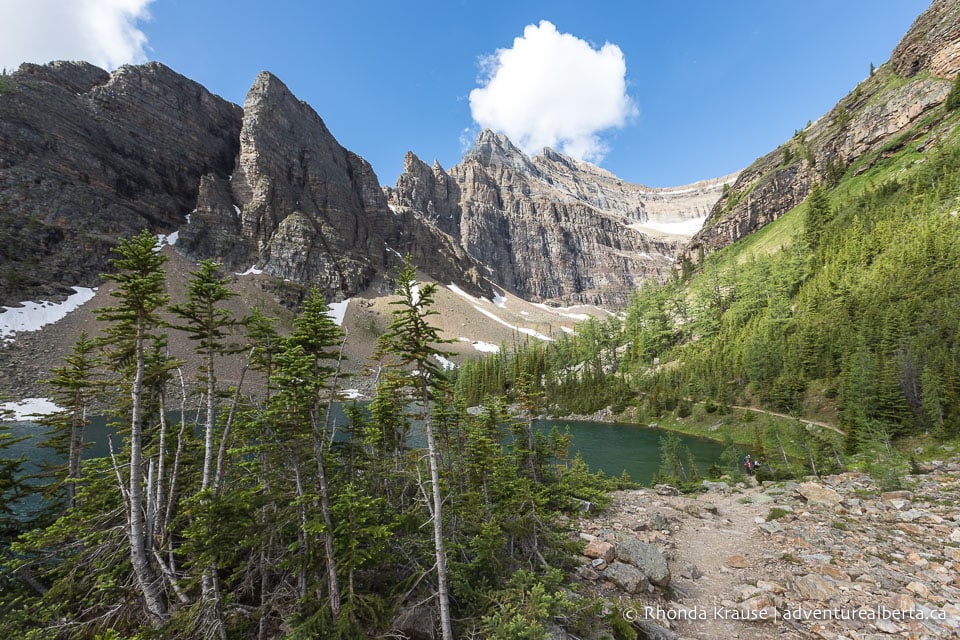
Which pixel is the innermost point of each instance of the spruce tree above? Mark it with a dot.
(141, 294)
(73, 386)
(410, 341)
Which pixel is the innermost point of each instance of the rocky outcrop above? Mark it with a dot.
(550, 228)
(87, 157)
(301, 207)
(932, 44)
(889, 109)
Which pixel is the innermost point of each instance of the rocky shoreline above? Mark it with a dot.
(831, 558)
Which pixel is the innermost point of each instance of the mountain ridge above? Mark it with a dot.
(871, 121)
(268, 185)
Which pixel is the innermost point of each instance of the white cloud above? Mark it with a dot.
(553, 89)
(102, 32)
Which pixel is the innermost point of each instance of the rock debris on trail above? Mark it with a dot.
(837, 558)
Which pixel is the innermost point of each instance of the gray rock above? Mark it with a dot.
(814, 587)
(716, 487)
(105, 156)
(653, 631)
(645, 557)
(771, 527)
(515, 215)
(628, 578)
(666, 490)
(816, 494)
(690, 571)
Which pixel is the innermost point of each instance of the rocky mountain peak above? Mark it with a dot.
(303, 208)
(551, 228)
(78, 77)
(493, 149)
(90, 156)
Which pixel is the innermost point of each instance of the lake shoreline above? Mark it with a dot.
(607, 416)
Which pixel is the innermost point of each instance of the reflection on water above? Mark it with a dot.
(615, 448)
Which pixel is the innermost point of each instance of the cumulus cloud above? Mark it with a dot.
(103, 32)
(553, 89)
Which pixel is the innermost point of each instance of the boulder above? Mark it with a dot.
(716, 487)
(647, 558)
(816, 494)
(666, 490)
(628, 578)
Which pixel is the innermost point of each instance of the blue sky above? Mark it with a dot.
(705, 87)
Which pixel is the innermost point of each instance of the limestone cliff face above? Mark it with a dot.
(550, 228)
(303, 208)
(87, 157)
(931, 44)
(895, 106)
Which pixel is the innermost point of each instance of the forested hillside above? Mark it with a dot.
(845, 309)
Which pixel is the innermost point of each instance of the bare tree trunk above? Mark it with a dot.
(222, 452)
(209, 581)
(147, 578)
(333, 583)
(161, 463)
(208, 443)
(74, 468)
(301, 534)
(786, 462)
(443, 594)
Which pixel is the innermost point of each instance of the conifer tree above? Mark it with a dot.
(73, 386)
(315, 333)
(819, 213)
(141, 294)
(410, 341)
(208, 324)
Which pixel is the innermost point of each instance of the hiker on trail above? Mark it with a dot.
(748, 465)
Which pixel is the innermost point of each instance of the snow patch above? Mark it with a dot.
(164, 239)
(567, 330)
(530, 332)
(33, 316)
(460, 292)
(337, 311)
(252, 271)
(446, 364)
(563, 312)
(236, 210)
(677, 228)
(351, 394)
(414, 292)
(499, 300)
(486, 347)
(30, 409)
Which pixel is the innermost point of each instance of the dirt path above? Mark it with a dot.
(840, 558)
(816, 423)
(734, 556)
(726, 569)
